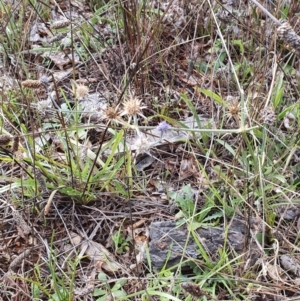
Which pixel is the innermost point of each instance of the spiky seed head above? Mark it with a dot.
(141, 145)
(112, 113)
(60, 24)
(81, 91)
(234, 108)
(32, 84)
(4, 139)
(132, 107)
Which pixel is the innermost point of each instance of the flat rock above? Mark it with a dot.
(168, 242)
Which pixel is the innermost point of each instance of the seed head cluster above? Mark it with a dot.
(288, 35)
(32, 84)
(267, 116)
(60, 24)
(15, 145)
(58, 37)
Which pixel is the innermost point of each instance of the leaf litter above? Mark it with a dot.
(175, 65)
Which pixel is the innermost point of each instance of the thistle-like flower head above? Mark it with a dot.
(132, 107)
(112, 114)
(141, 144)
(81, 91)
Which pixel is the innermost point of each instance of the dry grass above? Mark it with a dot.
(79, 81)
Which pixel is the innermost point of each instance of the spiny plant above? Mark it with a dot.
(244, 160)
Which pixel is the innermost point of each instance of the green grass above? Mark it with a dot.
(72, 174)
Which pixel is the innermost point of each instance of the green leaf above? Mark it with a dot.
(99, 292)
(281, 178)
(116, 145)
(213, 95)
(163, 295)
(173, 122)
(192, 109)
(194, 226)
(240, 44)
(35, 291)
(103, 298)
(213, 216)
(278, 97)
(295, 107)
(120, 189)
(116, 167)
(119, 294)
(102, 276)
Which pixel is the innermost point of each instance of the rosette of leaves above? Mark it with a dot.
(110, 293)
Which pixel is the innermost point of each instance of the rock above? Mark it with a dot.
(166, 236)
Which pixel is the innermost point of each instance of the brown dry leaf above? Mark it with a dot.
(171, 165)
(141, 247)
(9, 279)
(188, 168)
(22, 226)
(298, 224)
(141, 238)
(190, 80)
(49, 202)
(76, 238)
(7, 83)
(61, 60)
(77, 4)
(173, 136)
(288, 212)
(60, 75)
(102, 258)
(138, 224)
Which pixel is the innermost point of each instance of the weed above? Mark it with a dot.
(115, 292)
(82, 89)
